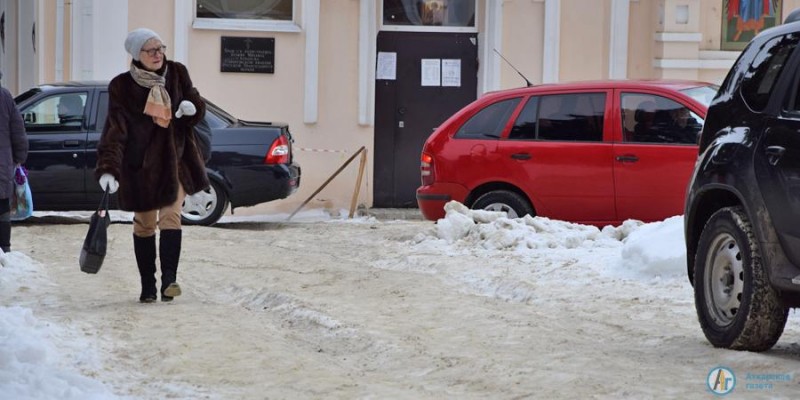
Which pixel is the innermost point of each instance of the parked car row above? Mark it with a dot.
(251, 162)
(591, 152)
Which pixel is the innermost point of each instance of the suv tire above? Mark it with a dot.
(736, 305)
(503, 200)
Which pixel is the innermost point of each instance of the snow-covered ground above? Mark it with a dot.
(475, 306)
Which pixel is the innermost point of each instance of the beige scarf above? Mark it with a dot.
(159, 105)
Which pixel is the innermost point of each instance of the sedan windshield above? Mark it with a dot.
(703, 94)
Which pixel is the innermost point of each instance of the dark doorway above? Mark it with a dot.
(406, 112)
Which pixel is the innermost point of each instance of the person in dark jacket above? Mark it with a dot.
(13, 152)
(151, 156)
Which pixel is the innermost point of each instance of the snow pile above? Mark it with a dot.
(647, 251)
(495, 231)
(32, 361)
(656, 249)
(18, 272)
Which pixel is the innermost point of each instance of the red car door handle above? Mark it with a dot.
(627, 158)
(521, 156)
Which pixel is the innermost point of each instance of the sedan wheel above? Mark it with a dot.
(736, 305)
(205, 207)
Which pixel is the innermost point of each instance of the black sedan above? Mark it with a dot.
(250, 163)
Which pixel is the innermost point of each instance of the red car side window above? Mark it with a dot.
(525, 125)
(649, 118)
(572, 117)
(488, 122)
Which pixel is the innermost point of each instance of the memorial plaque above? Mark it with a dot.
(246, 54)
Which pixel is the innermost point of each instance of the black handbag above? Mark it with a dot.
(94, 246)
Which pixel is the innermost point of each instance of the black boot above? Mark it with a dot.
(145, 249)
(5, 236)
(170, 249)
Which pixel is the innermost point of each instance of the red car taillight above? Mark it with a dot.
(426, 169)
(279, 151)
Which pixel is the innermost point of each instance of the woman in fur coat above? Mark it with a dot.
(148, 151)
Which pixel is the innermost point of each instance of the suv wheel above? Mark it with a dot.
(736, 306)
(503, 200)
(204, 207)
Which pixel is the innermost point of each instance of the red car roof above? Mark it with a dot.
(673, 84)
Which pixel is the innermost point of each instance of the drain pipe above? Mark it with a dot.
(59, 41)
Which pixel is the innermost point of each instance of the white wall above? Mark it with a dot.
(99, 31)
(26, 58)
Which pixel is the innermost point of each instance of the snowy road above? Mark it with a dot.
(389, 309)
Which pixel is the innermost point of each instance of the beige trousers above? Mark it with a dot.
(167, 217)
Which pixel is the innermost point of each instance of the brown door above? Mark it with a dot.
(406, 111)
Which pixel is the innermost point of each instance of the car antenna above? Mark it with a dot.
(512, 67)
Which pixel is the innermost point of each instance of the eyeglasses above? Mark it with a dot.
(156, 50)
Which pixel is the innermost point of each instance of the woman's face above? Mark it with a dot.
(152, 54)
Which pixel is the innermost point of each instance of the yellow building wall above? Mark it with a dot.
(337, 127)
(642, 23)
(321, 147)
(47, 34)
(156, 15)
(584, 40)
(523, 42)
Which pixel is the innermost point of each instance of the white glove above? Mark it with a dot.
(108, 180)
(185, 108)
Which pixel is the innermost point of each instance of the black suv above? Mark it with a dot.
(742, 216)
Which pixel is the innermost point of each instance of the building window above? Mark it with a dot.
(453, 14)
(269, 15)
(280, 10)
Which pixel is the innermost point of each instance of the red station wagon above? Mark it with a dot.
(590, 152)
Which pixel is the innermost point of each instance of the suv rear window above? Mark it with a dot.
(763, 73)
(488, 122)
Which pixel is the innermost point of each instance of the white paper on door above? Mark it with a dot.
(451, 72)
(387, 66)
(431, 72)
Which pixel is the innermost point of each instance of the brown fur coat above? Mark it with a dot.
(149, 161)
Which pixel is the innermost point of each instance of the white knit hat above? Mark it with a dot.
(136, 40)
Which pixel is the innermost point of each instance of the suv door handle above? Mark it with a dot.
(627, 158)
(72, 143)
(521, 156)
(774, 154)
